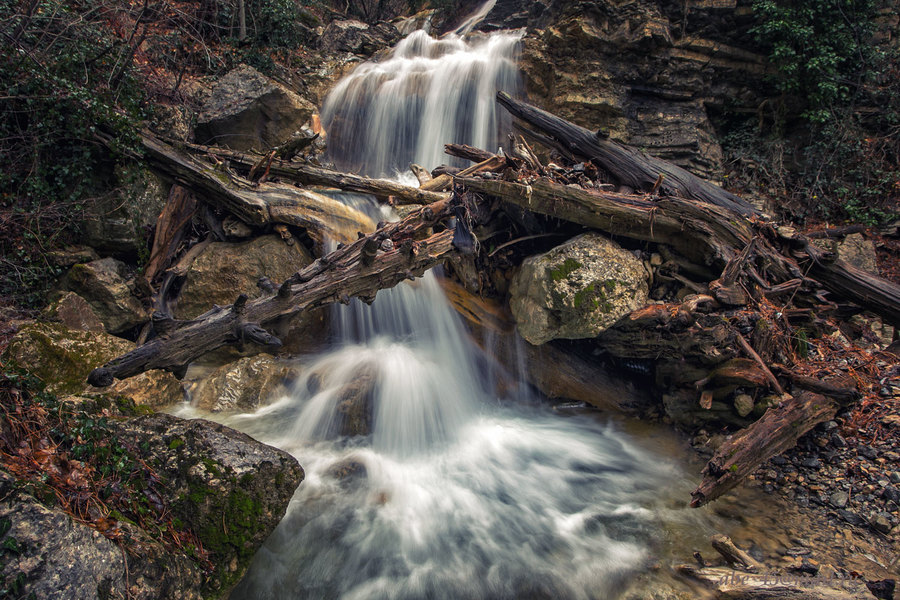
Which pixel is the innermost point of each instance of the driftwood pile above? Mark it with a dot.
(752, 283)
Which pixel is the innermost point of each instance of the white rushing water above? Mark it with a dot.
(456, 494)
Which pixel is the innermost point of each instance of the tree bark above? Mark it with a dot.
(336, 277)
(776, 431)
(628, 165)
(311, 175)
(260, 205)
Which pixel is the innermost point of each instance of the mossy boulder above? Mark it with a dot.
(223, 485)
(74, 312)
(106, 286)
(576, 290)
(64, 357)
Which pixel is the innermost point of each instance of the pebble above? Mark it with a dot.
(891, 494)
(881, 522)
(852, 518)
(867, 451)
(838, 441)
(810, 463)
(895, 477)
(839, 499)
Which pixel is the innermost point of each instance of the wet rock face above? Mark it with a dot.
(357, 37)
(104, 284)
(245, 384)
(645, 72)
(576, 290)
(63, 358)
(223, 485)
(248, 111)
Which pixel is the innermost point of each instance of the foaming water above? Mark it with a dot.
(452, 492)
(426, 93)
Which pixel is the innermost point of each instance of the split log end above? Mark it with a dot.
(101, 377)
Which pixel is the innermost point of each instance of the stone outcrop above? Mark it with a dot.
(245, 384)
(647, 73)
(248, 111)
(64, 357)
(576, 290)
(357, 37)
(223, 485)
(105, 286)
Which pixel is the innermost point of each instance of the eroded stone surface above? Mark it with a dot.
(576, 290)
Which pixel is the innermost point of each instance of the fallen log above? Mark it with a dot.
(734, 555)
(336, 277)
(259, 205)
(730, 584)
(776, 431)
(470, 153)
(628, 165)
(307, 174)
(706, 234)
(709, 236)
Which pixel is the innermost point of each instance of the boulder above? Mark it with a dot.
(357, 37)
(64, 357)
(104, 284)
(223, 485)
(854, 250)
(576, 290)
(248, 111)
(74, 312)
(226, 269)
(220, 487)
(120, 224)
(58, 558)
(245, 384)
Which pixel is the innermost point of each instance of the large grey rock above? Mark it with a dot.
(57, 558)
(226, 487)
(357, 37)
(248, 111)
(576, 290)
(119, 224)
(226, 269)
(245, 384)
(854, 250)
(64, 357)
(104, 285)
(74, 312)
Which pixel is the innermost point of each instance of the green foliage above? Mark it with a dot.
(829, 146)
(68, 109)
(821, 48)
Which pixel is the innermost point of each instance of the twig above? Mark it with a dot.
(749, 350)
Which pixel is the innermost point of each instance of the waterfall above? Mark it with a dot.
(426, 93)
(454, 493)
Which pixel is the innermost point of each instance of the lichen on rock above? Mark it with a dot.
(576, 290)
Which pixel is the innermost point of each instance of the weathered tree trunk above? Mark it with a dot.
(320, 215)
(776, 431)
(310, 175)
(629, 165)
(380, 260)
